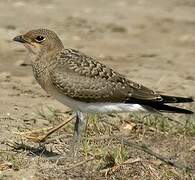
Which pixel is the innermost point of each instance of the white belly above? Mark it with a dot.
(111, 107)
(97, 107)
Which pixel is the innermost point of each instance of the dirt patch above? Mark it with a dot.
(151, 42)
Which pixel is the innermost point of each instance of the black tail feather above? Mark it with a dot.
(161, 106)
(169, 109)
(175, 99)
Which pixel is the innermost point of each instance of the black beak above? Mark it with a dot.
(19, 39)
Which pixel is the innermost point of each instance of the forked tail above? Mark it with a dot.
(162, 106)
(170, 109)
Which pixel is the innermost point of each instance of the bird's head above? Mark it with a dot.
(40, 40)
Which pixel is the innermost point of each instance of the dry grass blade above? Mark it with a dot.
(111, 170)
(72, 166)
(131, 161)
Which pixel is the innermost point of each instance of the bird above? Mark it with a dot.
(86, 85)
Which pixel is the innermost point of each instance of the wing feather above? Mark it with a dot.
(83, 78)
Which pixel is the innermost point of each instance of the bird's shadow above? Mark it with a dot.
(35, 151)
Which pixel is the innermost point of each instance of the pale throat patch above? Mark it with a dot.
(33, 48)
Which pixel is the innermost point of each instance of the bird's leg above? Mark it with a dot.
(78, 129)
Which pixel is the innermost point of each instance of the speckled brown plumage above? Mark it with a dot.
(83, 78)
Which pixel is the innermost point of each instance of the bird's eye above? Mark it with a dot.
(39, 39)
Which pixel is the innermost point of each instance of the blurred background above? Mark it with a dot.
(150, 41)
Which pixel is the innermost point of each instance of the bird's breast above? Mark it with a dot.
(41, 74)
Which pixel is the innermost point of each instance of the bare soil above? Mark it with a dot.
(151, 42)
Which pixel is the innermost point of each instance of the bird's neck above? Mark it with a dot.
(44, 56)
(40, 64)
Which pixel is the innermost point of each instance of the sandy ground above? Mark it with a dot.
(151, 42)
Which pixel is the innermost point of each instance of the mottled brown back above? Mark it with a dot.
(82, 78)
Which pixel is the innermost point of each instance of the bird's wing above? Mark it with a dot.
(82, 78)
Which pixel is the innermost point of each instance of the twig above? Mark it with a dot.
(39, 135)
(56, 128)
(144, 148)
